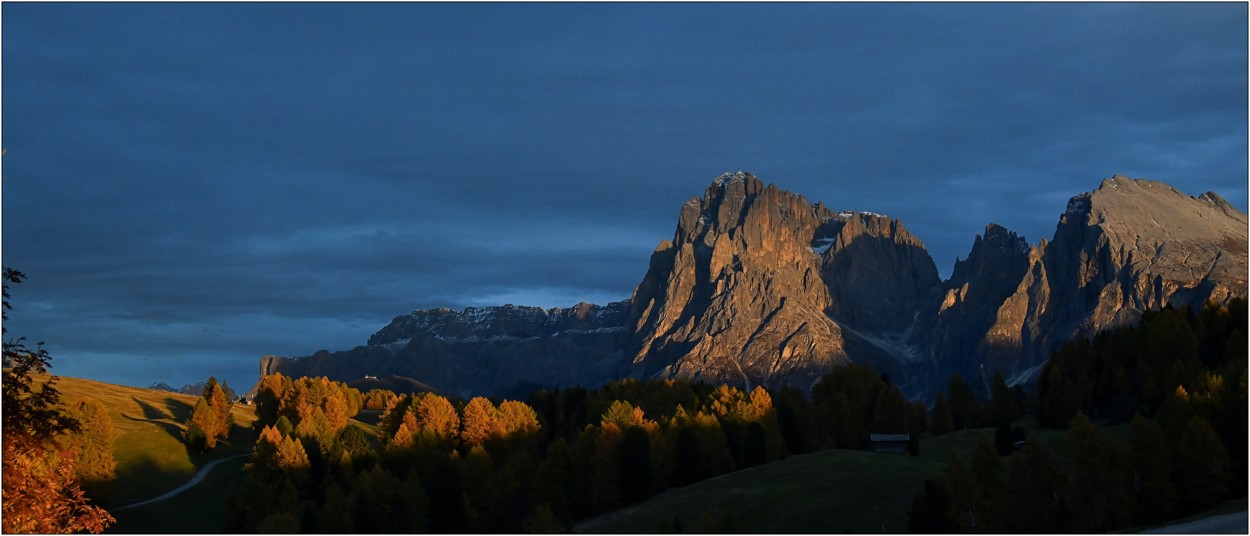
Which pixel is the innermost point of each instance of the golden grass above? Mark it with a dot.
(147, 436)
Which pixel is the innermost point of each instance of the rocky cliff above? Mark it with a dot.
(1129, 246)
(760, 286)
(955, 325)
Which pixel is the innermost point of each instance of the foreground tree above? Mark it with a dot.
(1202, 466)
(41, 490)
(222, 405)
(1098, 492)
(201, 433)
(92, 446)
(211, 419)
(480, 422)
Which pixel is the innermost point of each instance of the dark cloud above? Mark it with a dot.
(190, 186)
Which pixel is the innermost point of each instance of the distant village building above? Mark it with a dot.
(889, 443)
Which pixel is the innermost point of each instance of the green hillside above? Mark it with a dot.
(151, 457)
(832, 491)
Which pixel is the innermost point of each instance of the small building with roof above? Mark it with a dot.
(889, 443)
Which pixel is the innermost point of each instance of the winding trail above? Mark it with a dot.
(1234, 523)
(190, 483)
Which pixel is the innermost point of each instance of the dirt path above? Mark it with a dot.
(190, 483)
(1234, 523)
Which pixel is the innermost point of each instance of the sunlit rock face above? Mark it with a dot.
(956, 324)
(735, 296)
(1129, 246)
(760, 286)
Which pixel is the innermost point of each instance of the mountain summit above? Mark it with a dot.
(1129, 246)
(760, 286)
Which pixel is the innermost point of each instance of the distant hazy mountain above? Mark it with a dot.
(491, 350)
(196, 389)
(760, 286)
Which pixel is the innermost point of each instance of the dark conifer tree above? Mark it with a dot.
(1003, 406)
(940, 421)
(1202, 465)
(965, 410)
(1035, 485)
(1098, 491)
(931, 510)
(635, 465)
(1153, 492)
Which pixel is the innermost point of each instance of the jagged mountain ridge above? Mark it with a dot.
(1129, 246)
(502, 321)
(196, 389)
(482, 350)
(953, 327)
(760, 286)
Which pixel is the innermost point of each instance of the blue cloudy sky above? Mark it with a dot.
(192, 186)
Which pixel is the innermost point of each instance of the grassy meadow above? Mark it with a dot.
(832, 491)
(152, 458)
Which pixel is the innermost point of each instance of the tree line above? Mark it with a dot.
(1178, 377)
(442, 464)
(1177, 365)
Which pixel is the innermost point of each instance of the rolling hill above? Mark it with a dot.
(831, 491)
(152, 459)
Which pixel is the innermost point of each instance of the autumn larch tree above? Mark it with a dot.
(211, 419)
(201, 433)
(217, 398)
(480, 422)
(92, 446)
(41, 488)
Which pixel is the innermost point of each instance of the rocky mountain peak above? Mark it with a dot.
(996, 233)
(735, 203)
(1215, 200)
(997, 248)
(1128, 246)
(758, 283)
(1150, 226)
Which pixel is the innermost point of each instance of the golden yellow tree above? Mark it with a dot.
(265, 454)
(406, 435)
(92, 445)
(221, 406)
(41, 491)
(481, 422)
(517, 418)
(336, 410)
(291, 455)
(201, 433)
(436, 414)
